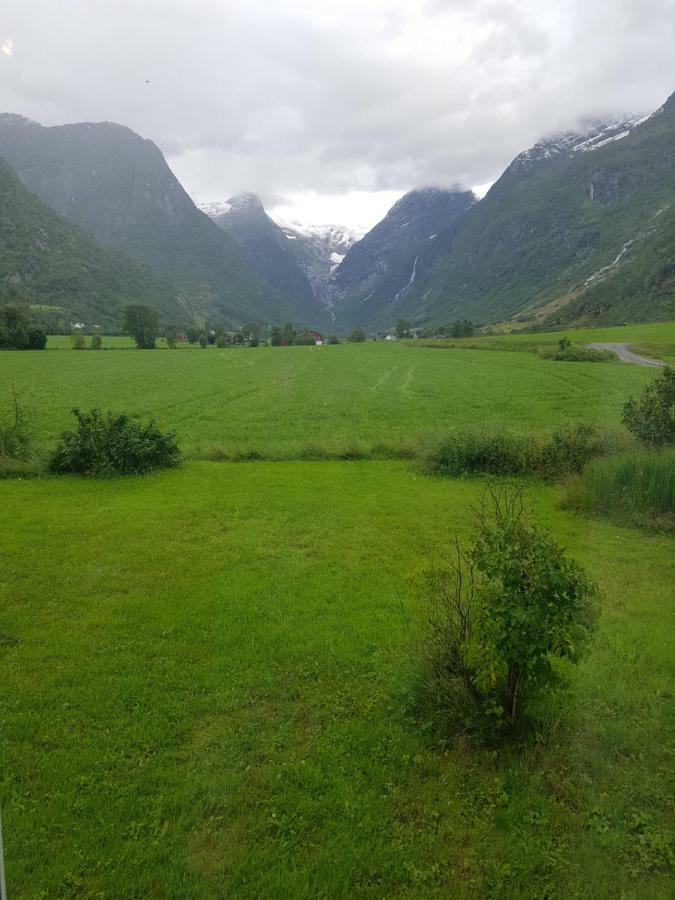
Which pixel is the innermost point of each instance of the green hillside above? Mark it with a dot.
(118, 187)
(63, 274)
(537, 238)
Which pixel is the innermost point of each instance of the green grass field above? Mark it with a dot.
(656, 340)
(293, 401)
(206, 674)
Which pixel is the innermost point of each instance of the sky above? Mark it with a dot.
(330, 110)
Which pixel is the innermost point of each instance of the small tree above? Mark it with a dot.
(96, 342)
(287, 334)
(77, 340)
(501, 613)
(250, 333)
(402, 328)
(275, 336)
(652, 418)
(203, 340)
(16, 333)
(171, 336)
(357, 336)
(192, 333)
(142, 323)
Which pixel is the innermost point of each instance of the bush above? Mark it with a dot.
(17, 334)
(564, 452)
(357, 336)
(569, 448)
(569, 353)
(77, 340)
(15, 431)
(110, 445)
(652, 418)
(499, 616)
(485, 453)
(631, 489)
(96, 342)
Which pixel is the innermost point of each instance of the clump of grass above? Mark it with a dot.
(636, 488)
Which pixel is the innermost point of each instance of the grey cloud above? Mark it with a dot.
(290, 96)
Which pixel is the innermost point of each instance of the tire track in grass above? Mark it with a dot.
(383, 379)
(405, 387)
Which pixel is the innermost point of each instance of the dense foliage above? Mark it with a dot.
(652, 417)
(142, 323)
(113, 445)
(565, 451)
(501, 612)
(16, 333)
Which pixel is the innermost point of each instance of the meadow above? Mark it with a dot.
(656, 340)
(378, 399)
(207, 674)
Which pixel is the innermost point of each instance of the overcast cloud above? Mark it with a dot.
(330, 110)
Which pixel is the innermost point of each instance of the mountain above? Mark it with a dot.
(295, 259)
(569, 219)
(374, 280)
(266, 247)
(119, 188)
(319, 250)
(61, 273)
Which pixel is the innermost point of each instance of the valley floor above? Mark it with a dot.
(208, 695)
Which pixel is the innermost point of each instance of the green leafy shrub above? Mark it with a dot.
(565, 352)
(77, 340)
(564, 452)
(635, 488)
(652, 418)
(500, 613)
(96, 342)
(357, 336)
(16, 333)
(485, 453)
(111, 445)
(569, 448)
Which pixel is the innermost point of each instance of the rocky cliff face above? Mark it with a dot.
(267, 248)
(397, 255)
(320, 249)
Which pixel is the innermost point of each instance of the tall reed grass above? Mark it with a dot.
(636, 488)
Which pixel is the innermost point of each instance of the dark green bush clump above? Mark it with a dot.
(566, 451)
(113, 445)
(652, 418)
(484, 453)
(629, 489)
(17, 334)
(577, 354)
(500, 614)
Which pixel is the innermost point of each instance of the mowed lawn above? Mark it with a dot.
(210, 692)
(375, 398)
